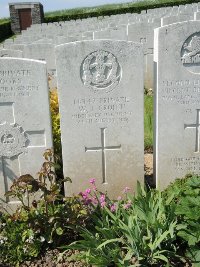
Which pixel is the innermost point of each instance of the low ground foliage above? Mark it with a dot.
(149, 228)
(148, 122)
(43, 220)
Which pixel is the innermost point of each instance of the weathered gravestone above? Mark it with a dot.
(11, 53)
(116, 33)
(41, 51)
(177, 127)
(25, 126)
(100, 87)
(45, 52)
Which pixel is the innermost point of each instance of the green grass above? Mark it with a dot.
(4, 20)
(148, 122)
(133, 7)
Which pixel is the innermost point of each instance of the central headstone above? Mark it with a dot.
(100, 87)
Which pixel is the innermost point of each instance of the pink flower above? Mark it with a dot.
(113, 207)
(92, 181)
(88, 191)
(94, 200)
(94, 188)
(102, 198)
(103, 204)
(126, 189)
(119, 198)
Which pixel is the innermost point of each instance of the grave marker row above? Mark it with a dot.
(100, 85)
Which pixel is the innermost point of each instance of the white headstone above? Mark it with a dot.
(177, 127)
(143, 33)
(148, 71)
(100, 87)
(11, 53)
(175, 19)
(116, 33)
(25, 125)
(17, 47)
(41, 51)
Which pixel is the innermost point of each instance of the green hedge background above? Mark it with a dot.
(5, 31)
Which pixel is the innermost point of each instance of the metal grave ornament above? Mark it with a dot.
(12, 140)
(100, 71)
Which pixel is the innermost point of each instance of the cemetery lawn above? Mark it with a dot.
(148, 122)
(4, 20)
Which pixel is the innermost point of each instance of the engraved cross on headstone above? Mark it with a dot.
(103, 148)
(13, 143)
(195, 126)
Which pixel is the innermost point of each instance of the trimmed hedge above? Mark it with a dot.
(106, 11)
(5, 31)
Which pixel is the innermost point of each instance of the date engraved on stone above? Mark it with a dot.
(100, 71)
(12, 140)
(190, 53)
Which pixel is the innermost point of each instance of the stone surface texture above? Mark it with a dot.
(11, 53)
(177, 118)
(100, 87)
(25, 125)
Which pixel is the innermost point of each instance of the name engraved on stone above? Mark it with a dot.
(12, 85)
(197, 127)
(100, 71)
(190, 53)
(182, 92)
(188, 164)
(102, 109)
(103, 150)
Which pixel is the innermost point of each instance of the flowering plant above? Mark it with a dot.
(43, 220)
(130, 231)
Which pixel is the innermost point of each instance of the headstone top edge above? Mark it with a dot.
(98, 41)
(10, 49)
(23, 59)
(181, 23)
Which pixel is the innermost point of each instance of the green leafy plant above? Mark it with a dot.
(148, 122)
(134, 231)
(184, 195)
(44, 219)
(5, 30)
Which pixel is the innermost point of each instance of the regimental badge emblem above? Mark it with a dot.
(13, 140)
(100, 71)
(190, 53)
